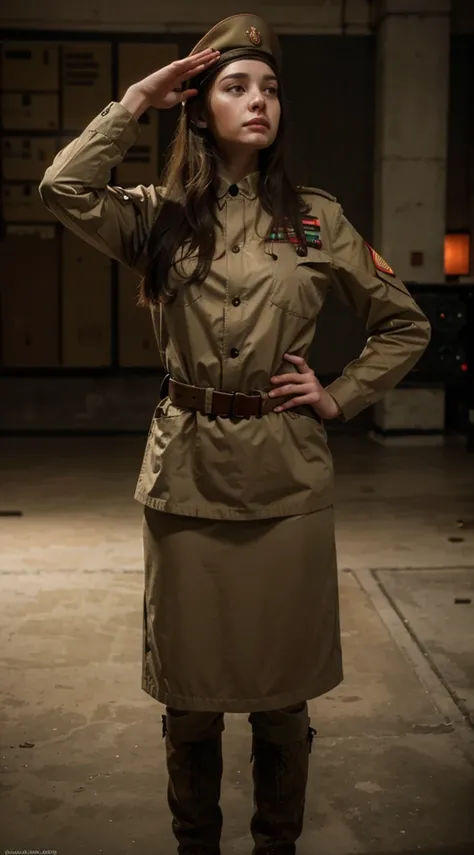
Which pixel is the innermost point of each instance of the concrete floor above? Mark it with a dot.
(392, 768)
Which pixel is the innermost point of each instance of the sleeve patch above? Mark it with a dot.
(380, 262)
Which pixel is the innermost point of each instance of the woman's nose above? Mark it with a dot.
(257, 100)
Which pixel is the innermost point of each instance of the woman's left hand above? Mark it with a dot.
(307, 390)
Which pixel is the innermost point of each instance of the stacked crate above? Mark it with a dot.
(29, 250)
(62, 303)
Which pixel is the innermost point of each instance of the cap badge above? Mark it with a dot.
(254, 36)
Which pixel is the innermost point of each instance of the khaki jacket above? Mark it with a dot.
(261, 299)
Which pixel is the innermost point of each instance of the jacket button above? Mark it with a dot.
(234, 352)
(236, 301)
(236, 248)
(234, 190)
(300, 250)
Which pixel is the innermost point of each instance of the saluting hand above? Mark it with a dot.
(162, 89)
(307, 390)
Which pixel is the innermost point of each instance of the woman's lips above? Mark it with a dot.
(257, 126)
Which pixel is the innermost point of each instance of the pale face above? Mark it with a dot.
(245, 91)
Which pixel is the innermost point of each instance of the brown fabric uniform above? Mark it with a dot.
(230, 333)
(240, 617)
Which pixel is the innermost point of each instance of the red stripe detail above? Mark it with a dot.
(378, 266)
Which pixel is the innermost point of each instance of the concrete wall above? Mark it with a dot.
(308, 17)
(329, 17)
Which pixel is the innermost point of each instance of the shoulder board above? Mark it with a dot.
(318, 192)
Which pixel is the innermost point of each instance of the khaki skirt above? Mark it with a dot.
(240, 616)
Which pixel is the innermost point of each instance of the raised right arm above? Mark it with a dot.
(76, 187)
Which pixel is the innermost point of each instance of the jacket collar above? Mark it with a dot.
(248, 186)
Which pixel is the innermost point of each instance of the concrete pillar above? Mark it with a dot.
(413, 38)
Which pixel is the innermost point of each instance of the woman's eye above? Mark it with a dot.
(272, 90)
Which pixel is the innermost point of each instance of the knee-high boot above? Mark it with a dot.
(194, 762)
(280, 776)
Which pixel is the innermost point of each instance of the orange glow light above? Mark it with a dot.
(456, 254)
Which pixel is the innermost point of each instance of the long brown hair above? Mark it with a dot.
(188, 214)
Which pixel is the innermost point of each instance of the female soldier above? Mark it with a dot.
(241, 608)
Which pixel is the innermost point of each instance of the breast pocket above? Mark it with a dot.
(300, 283)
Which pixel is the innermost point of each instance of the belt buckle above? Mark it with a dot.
(235, 415)
(232, 414)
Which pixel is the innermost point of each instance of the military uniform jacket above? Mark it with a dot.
(260, 300)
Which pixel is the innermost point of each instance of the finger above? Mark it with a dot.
(181, 78)
(300, 363)
(291, 389)
(294, 402)
(186, 95)
(202, 53)
(181, 69)
(191, 72)
(286, 406)
(203, 57)
(289, 378)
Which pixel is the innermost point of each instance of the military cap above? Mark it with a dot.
(240, 37)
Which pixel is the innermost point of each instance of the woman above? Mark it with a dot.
(241, 603)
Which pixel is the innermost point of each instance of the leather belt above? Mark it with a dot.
(212, 402)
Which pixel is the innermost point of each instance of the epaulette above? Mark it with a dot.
(318, 192)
